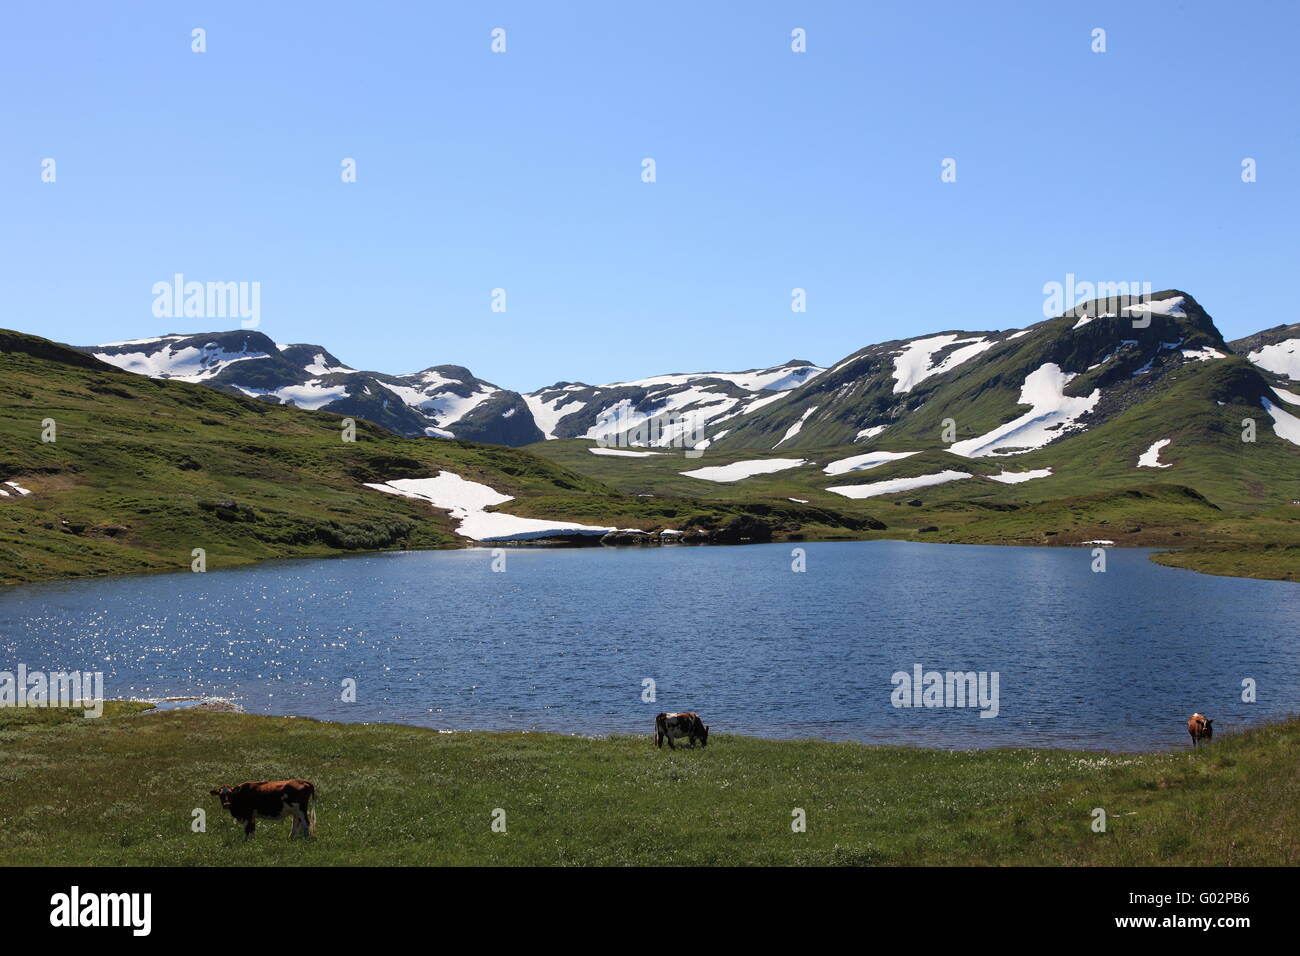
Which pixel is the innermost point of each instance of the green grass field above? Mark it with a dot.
(122, 790)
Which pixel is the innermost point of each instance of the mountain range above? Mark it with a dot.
(1003, 392)
(442, 401)
(1128, 422)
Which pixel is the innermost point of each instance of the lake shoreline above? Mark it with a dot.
(225, 705)
(1220, 562)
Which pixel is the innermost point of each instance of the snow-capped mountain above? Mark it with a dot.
(574, 410)
(444, 401)
(1003, 391)
(992, 393)
(1275, 351)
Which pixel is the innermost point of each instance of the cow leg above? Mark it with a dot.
(669, 738)
(293, 825)
(659, 740)
(249, 827)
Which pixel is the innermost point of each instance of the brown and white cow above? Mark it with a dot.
(1200, 727)
(674, 726)
(270, 800)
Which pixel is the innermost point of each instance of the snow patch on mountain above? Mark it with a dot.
(466, 500)
(1016, 477)
(913, 364)
(1280, 358)
(780, 379)
(152, 340)
(623, 453)
(862, 462)
(188, 364)
(1053, 414)
(1172, 306)
(752, 406)
(435, 399)
(311, 395)
(675, 424)
(739, 470)
(1285, 425)
(770, 380)
(548, 412)
(875, 488)
(1151, 457)
(797, 426)
(318, 366)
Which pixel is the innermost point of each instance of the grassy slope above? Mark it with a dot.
(121, 790)
(1095, 491)
(134, 481)
(977, 394)
(140, 468)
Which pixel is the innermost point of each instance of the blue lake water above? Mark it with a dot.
(563, 640)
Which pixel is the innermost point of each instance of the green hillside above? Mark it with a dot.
(143, 471)
(1222, 488)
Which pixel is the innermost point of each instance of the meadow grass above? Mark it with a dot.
(122, 790)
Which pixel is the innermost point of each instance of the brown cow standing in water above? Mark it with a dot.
(269, 800)
(1199, 726)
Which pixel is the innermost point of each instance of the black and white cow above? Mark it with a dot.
(671, 727)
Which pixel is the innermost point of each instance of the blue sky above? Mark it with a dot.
(522, 171)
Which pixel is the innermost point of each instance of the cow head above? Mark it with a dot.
(1208, 723)
(225, 793)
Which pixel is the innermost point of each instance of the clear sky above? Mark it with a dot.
(523, 170)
